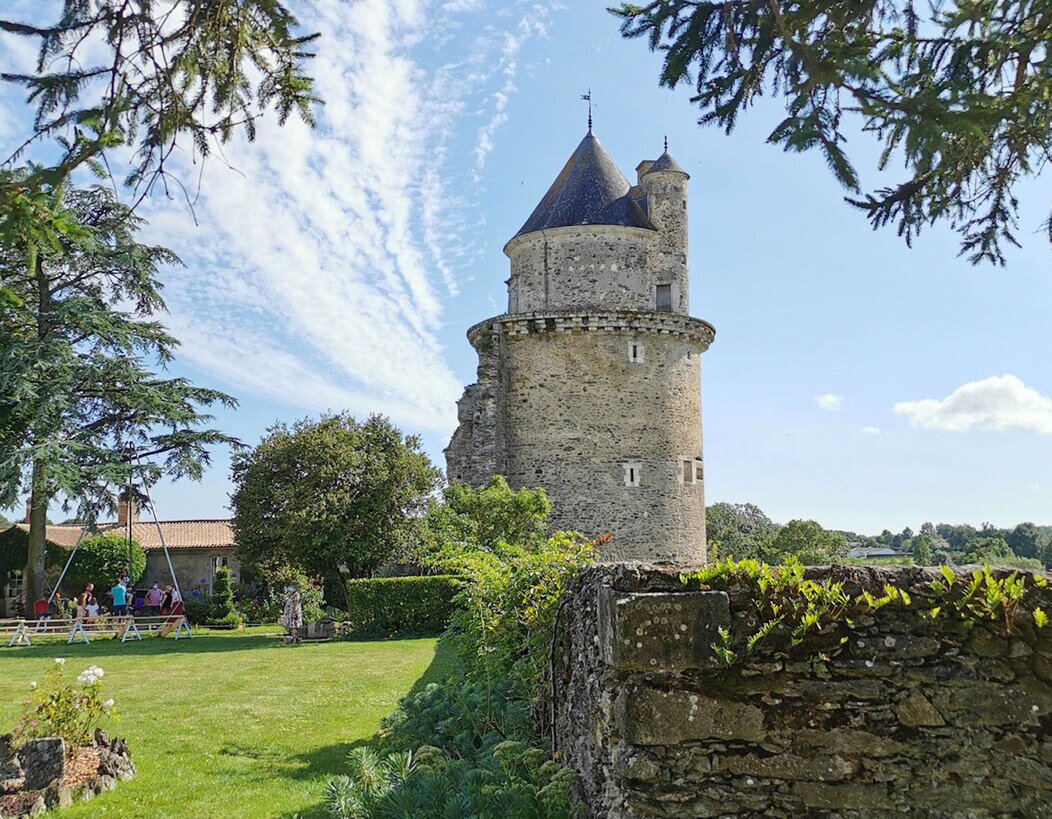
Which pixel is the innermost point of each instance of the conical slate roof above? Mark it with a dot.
(589, 190)
(665, 162)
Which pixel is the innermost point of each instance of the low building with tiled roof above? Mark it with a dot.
(196, 548)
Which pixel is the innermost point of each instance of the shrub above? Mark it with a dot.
(511, 780)
(69, 710)
(507, 606)
(198, 610)
(400, 606)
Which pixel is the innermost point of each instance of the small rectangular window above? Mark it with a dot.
(635, 352)
(632, 473)
(663, 298)
(698, 474)
(687, 471)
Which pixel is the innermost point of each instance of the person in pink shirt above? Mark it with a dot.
(153, 600)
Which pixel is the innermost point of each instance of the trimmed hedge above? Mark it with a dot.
(400, 606)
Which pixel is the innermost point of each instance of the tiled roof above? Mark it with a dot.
(178, 534)
(590, 190)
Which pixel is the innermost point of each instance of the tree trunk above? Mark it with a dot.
(36, 563)
(38, 498)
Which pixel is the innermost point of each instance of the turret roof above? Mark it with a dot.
(589, 190)
(665, 162)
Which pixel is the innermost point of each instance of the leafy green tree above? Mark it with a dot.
(956, 537)
(102, 560)
(1046, 554)
(737, 530)
(80, 355)
(808, 541)
(328, 493)
(481, 519)
(986, 550)
(1025, 540)
(921, 549)
(959, 93)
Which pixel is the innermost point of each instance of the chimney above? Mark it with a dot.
(127, 507)
(642, 168)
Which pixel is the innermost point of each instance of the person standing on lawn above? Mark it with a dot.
(153, 599)
(292, 617)
(120, 600)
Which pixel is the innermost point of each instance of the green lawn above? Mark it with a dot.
(232, 724)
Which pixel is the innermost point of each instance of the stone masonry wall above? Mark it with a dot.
(934, 718)
(570, 409)
(584, 267)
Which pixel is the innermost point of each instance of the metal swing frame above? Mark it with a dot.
(183, 628)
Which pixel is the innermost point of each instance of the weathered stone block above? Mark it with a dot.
(43, 761)
(844, 797)
(649, 716)
(848, 741)
(786, 766)
(916, 710)
(666, 631)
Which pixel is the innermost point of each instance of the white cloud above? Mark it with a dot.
(1000, 403)
(871, 430)
(829, 402)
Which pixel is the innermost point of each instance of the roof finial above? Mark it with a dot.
(588, 97)
(666, 143)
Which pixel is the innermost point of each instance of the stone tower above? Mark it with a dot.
(590, 384)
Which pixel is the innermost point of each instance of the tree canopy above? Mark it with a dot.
(958, 94)
(321, 494)
(102, 559)
(808, 541)
(81, 396)
(484, 518)
(739, 530)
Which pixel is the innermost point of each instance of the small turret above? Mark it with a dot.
(664, 182)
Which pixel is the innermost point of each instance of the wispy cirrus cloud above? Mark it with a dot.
(319, 268)
(1000, 403)
(321, 261)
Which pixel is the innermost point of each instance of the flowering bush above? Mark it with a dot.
(61, 709)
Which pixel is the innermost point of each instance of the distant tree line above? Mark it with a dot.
(742, 530)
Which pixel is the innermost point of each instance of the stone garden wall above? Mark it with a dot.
(877, 713)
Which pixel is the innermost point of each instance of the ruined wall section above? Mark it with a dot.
(938, 718)
(476, 452)
(587, 267)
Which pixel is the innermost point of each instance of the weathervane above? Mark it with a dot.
(588, 97)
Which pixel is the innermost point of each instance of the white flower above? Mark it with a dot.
(108, 704)
(95, 671)
(59, 661)
(33, 686)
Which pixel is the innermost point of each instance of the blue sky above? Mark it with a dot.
(853, 380)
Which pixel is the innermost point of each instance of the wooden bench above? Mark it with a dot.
(83, 629)
(24, 630)
(131, 627)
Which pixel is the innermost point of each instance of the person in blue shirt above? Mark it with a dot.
(120, 600)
